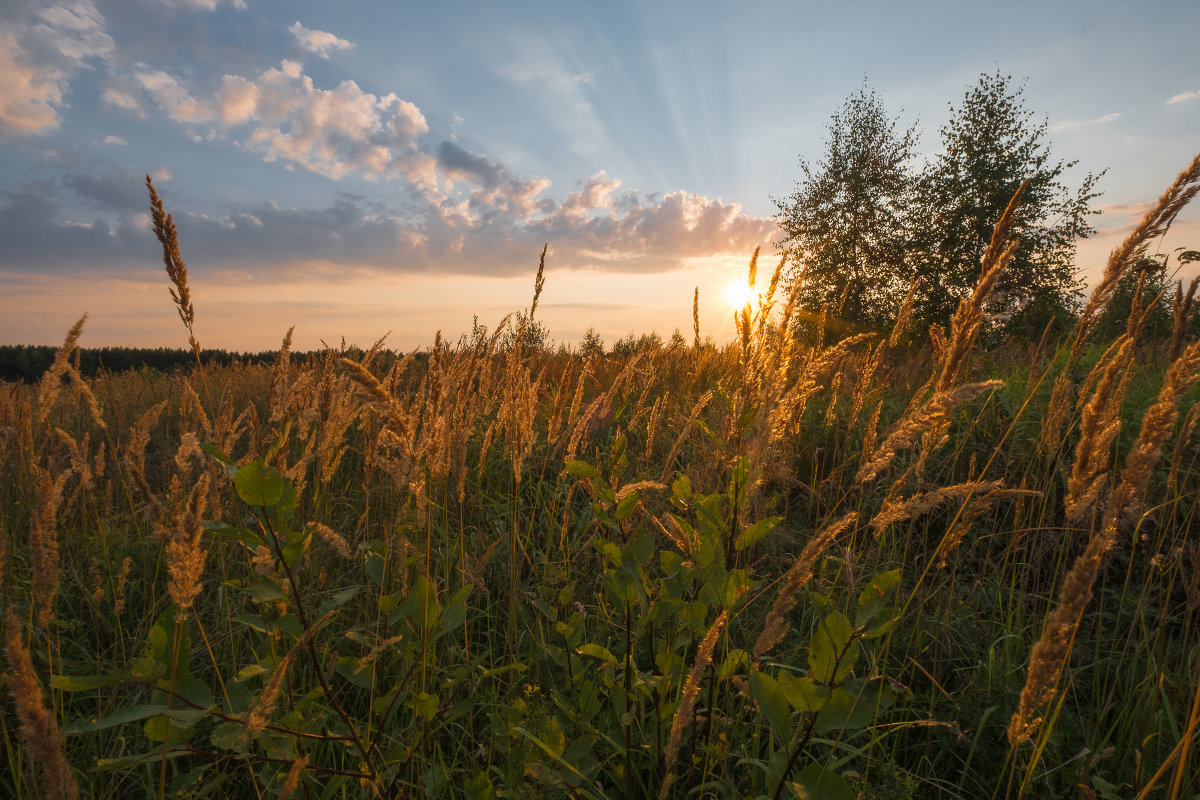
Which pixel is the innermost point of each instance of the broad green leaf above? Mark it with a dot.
(121, 717)
(803, 693)
(375, 566)
(265, 590)
(818, 782)
(755, 532)
(81, 683)
(625, 507)
(582, 469)
(772, 703)
(259, 484)
(153, 757)
(338, 600)
(735, 660)
(596, 651)
(845, 711)
(455, 610)
(425, 705)
(423, 604)
(875, 597)
(229, 736)
(831, 653)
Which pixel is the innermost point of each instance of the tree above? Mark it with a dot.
(591, 345)
(989, 146)
(845, 224)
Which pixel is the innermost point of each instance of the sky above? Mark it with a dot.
(358, 169)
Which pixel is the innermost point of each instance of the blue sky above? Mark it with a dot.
(358, 168)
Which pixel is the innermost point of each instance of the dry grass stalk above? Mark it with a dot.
(933, 415)
(1098, 427)
(893, 512)
(260, 714)
(51, 381)
(334, 540)
(684, 431)
(685, 713)
(122, 577)
(1050, 653)
(1156, 223)
(1181, 441)
(775, 627)
(43, 542)
(1181, 309)
(292, 782)
(968, 318)
(185, 556)
(164, 230)
(696, 319)
(39, 731)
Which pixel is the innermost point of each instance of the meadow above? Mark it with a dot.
(902, 564)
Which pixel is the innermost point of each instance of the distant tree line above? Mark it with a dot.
(28, 362)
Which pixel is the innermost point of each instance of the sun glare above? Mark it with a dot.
(738, 294)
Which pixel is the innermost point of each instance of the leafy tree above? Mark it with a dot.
(989, 146)
(845, 224)
(591, 344)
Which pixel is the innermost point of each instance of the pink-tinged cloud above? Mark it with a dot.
(322, 43)
(1183, 97)
(39, 58)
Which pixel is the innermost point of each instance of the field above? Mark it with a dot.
(889, 566)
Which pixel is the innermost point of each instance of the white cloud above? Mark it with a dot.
(117, 140)
(1183, 97)
(201, 5)
(28, 96)
(320, 42)
(39, 58)
(1113, 117)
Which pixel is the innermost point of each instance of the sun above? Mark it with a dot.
(737, 294)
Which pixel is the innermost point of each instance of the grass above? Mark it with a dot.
(772, 569)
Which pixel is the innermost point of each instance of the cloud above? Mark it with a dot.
(332, 132)
(201, 5)
(1113, 117)
(39, 57)
(320, 42)
(117, 140)
(1183, 97)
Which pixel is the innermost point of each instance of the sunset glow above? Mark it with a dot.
(356, 169)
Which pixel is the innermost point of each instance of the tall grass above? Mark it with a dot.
(770, 569)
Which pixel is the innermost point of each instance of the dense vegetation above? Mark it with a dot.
(778, 568)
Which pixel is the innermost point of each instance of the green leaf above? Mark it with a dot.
(845, 711)
(121, 717)
(153, 757)
(596, 651)
(773, 704)
(455, 610)
(875, 596)
(338, 600)
(818, 782)
(625, 507)
(803, 693)
(423, 604)
(258, 484)
(755, 532)
(375, 566)
(425, 705)
(265, 590)
(735, 660)
(831, 654)
(81, 683)
(582, 469)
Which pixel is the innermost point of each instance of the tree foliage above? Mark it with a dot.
(844, 225)
(992, 143)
